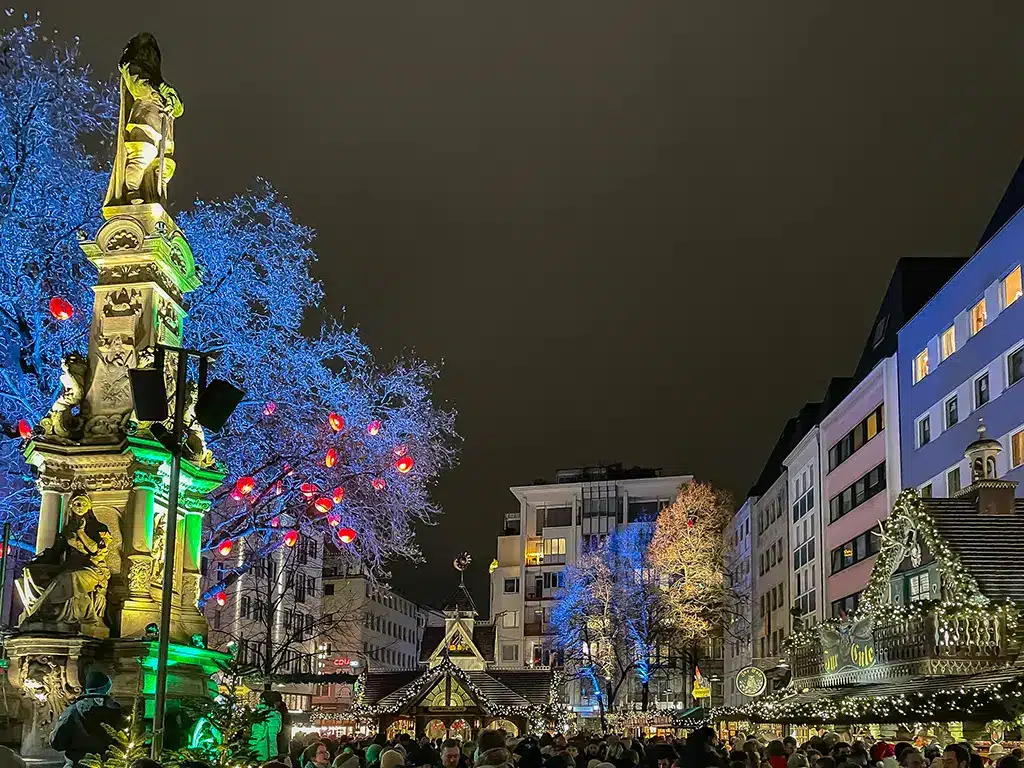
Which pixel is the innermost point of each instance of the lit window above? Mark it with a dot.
(1011, 287)
(918, 587)
(952, 414)
(947, 343)
(978, 317)
(981, 392)
(924, 431)
(1017, 446)
(953, 481)
(1014, 367)
(921, 366)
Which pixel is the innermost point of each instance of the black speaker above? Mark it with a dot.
(216, 403)
(148, 393)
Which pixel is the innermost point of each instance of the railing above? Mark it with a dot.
(934, 634)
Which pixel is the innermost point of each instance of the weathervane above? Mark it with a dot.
(461, 564)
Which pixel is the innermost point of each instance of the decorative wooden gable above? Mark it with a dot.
(448, 693)
(458, 646)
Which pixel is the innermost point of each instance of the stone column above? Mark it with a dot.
(49, 519)
(139, 539)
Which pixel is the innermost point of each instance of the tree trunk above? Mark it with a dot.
(645, 696)
(600, 708)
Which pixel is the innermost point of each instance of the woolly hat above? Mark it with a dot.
(391, 758)
(373, 752)
(96, 682)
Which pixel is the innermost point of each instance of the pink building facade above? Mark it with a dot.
(860, 481)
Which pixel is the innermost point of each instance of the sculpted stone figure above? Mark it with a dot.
(61, 421)
(67, 583)
(145, 128)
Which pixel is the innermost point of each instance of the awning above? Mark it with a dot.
(980, 697)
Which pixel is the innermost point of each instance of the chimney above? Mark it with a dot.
(992, 495)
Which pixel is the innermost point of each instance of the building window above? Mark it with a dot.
(981, 391)
(1017, 449)
(866, 487)
(953, 481)
(510, 653)
(978, 317)
(1015, 366)
(511, 586)
(952, 415)
(328, 590)
(879, 335)
(918, 587)
(845, 605)
(554, 551)
(1011, 288)
(921, 365)
(854, 551)
(947, 343)
(510, 620)
(924, 431)
(926, 491)
(855, 439)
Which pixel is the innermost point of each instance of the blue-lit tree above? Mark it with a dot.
(257, 293)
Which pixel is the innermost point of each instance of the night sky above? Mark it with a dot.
(633, 231)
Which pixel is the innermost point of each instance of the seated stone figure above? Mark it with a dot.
(66, 584)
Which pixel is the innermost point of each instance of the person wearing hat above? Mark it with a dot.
(79, 730)
(996, 751)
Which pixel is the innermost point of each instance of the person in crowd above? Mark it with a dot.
(79, 730)
(777, 757)
(955, 756)
(263, 738)
(911, 758)
(316, 755)
(451, 755)
(789, 743)
(798, 760)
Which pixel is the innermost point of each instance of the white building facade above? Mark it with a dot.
(806, 581)
(737, 636)
(555, 524)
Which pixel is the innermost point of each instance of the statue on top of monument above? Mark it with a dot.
(143, 161)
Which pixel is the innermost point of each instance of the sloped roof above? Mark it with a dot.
(534, 685)
(460, 600)
(380, 685)
(909, 696)
(1011, 202)
(483, 639)
(507, 688)
(989, 546)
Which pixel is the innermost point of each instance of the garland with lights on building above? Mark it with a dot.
(961, 596)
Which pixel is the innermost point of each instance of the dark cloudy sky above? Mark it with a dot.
(634, 231)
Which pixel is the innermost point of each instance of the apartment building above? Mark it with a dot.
(271, 612)
(771, 604)
(737, 637)
(373, 629)
(962, 362)
(555, 523)
(803, 468)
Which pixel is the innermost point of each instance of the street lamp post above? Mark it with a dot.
(150, 399)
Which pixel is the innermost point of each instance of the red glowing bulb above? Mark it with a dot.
(24, 429)
(221, 597)
(308, 490)
(61, 309)
(333, 519)
(337, 421)
(331, 458)
(346, 535)
(323, 505)
(278, 488)
(236, 495)
(275, 521)
(225, 547)
(379, 483)
(404, 464)
(245, 484)
(291, 537)
(400, 451)
(339, 495)
(269, 408)
(373, 428)
(689, 522)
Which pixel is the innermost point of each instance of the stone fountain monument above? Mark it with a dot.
(91, 596)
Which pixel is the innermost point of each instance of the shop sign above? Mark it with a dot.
(751, 681)
(850, 645)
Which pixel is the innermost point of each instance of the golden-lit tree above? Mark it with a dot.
(689, 549)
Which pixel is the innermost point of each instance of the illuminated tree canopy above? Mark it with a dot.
(258, 308)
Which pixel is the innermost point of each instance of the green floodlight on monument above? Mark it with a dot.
(216, 401)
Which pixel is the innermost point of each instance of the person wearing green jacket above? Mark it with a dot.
(263, 740)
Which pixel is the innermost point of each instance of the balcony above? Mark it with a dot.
(536, 629)
(938, 640)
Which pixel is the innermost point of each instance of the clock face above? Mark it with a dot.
(751, 681)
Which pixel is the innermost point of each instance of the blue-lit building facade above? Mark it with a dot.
(961, 361)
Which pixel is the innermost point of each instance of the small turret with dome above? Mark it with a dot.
(993, 496)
